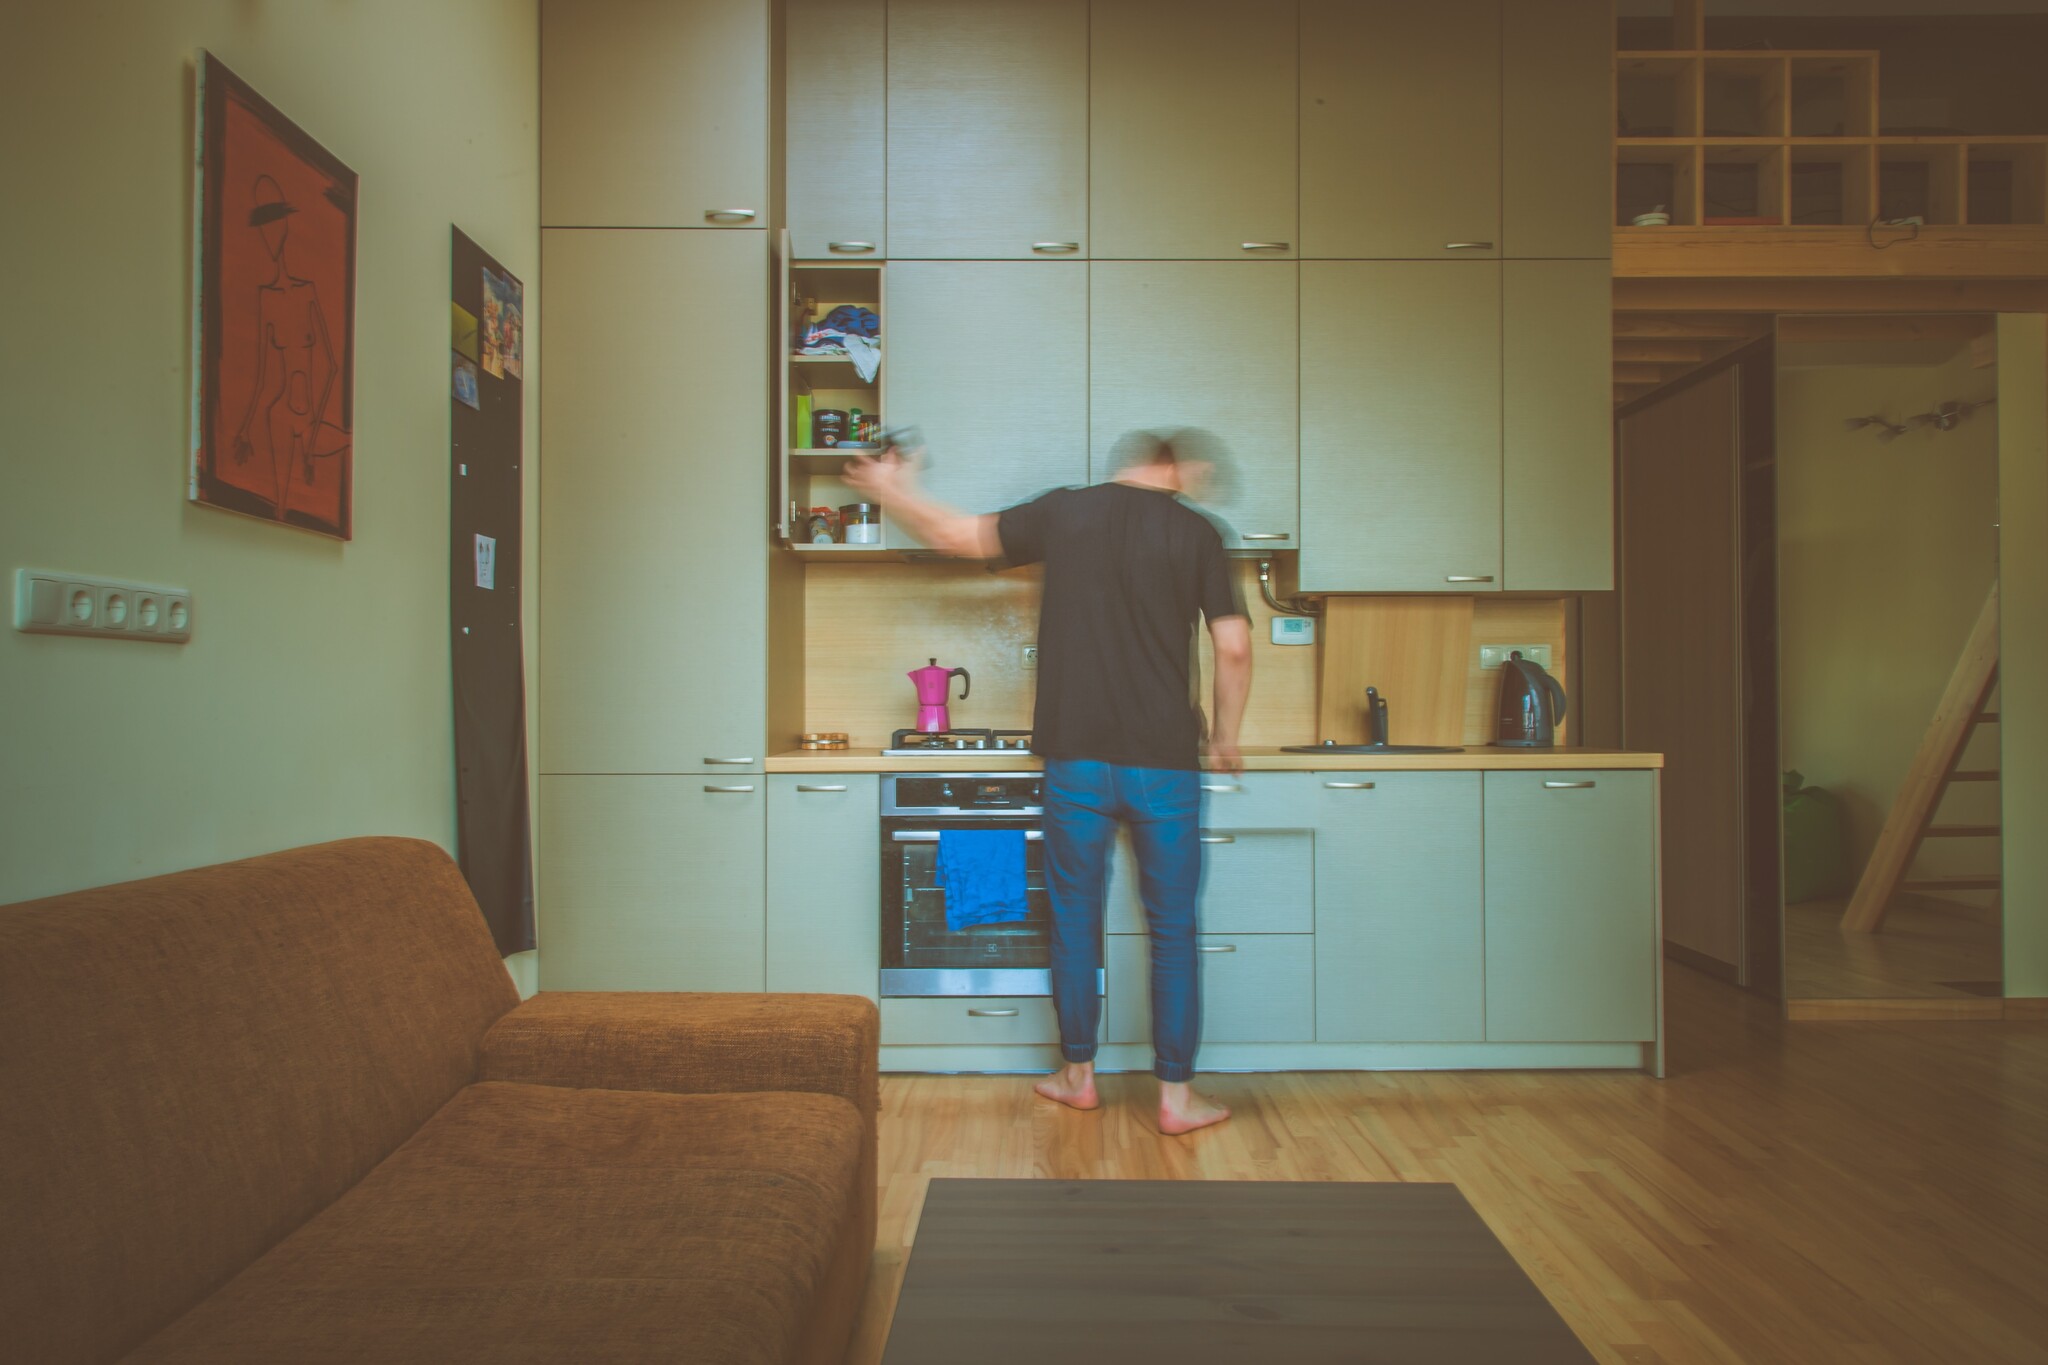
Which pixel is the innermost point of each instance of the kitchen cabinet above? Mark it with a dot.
(834, 59)
(656, 114)
(1571, 890)
(1401, 129)
(1557, 433)
(1192, 130)
(824, 866)
(1400, 908)
(986, 1019)
(1254, 881)
(987, 128)
(1557, 129)
(1401, 426)
(654, 583)
(1206, 344)
(651, 883)
(1256, 988)
(990, 359)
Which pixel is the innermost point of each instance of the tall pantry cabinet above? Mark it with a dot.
(654, 564)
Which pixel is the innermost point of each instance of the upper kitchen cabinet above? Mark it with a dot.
(654, 584)
(988, 129)
(834, 56)
(1401, 426)
(656, 113)
(990, 359)
(1557, 433)
(1208, 344)
(1557, 134)
(1401, 129)
(1192, 130)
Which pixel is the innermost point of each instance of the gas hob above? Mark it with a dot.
(918, 744)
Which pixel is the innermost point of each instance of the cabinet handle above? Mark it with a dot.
(1468, 246)
(1469, 578)
(1221, 787)
(1218, 838)
(1568, 786)
(991, 1014)
(1216, 947)
(728, 762)
(728, 215)
(931, 836)
(1264, 246)
(1266, 535)
(849, 248)
(803, 788)
(1055, 248)
(1350, 786)
(728, 791)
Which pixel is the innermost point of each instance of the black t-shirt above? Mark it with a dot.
(1128, 572)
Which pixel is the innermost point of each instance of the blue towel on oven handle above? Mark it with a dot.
(982, 874)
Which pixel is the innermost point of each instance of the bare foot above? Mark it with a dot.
(1072, 1085)
(1181, 1110)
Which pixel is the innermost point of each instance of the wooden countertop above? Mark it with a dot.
(1255, 760)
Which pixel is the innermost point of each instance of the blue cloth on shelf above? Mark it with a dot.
(853, 319)
(982, 873)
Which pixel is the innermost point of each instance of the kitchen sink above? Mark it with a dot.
(1326, 747)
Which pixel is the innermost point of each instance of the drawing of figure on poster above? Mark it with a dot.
(503, 326)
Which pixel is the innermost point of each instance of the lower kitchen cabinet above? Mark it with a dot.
(823, 871)
(652, 883)
(1571, 895)
(1254, 881)
(1256, 988)
(1400, 908)
(970, 1020)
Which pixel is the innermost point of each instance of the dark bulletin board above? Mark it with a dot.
(486, 391)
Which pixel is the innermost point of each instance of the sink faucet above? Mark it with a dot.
(1376, 729)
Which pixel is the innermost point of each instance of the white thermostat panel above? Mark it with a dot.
(1294, 630)
(48, 603)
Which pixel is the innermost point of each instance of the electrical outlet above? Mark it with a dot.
(1494, 656)
(1030, 656)
(68, 604)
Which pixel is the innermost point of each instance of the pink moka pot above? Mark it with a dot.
(934, 688)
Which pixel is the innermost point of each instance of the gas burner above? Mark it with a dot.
(917, 743)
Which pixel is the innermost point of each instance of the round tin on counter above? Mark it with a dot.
(824, 739)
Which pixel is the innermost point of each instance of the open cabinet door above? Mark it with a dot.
(2023, 644)
(785, 505)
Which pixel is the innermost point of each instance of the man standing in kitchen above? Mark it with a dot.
(1130, 571)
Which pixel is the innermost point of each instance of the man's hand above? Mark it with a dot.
(885, 478)
(1223, 757)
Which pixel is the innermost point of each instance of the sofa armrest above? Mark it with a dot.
(691, 1043)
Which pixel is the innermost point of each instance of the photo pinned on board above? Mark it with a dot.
(503, 326)
(464, 385)
(462, 330)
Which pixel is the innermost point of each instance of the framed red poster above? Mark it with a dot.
(273, 420)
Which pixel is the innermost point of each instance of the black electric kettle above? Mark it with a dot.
(1531, 705)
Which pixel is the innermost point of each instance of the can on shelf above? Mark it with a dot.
(860, 523)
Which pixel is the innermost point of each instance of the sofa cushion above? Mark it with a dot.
(534, 1223)
(196, 1064)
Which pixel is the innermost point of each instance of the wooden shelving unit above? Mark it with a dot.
(810, 475)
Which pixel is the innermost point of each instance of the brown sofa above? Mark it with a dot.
(292, 1110)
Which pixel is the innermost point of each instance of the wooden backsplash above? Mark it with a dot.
(866, 625)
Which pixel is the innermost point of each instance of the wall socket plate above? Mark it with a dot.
(1495, 656)
(1028, 658)
(51, 603)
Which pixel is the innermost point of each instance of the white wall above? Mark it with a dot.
(313, 701)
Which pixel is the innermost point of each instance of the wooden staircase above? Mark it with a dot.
(1911, 820)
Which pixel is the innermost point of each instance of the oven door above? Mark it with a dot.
(921, 956)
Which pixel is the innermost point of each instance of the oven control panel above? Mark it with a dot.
(963, 794)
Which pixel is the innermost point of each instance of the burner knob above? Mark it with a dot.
(981, 744)
(959, 743)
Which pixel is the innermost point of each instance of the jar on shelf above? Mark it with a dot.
(860, 523)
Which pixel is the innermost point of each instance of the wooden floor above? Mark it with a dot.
(1921, 952)
(1811, 1193)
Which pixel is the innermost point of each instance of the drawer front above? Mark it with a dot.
(1256, 988)
(1254, 881)
(987, 1019)
(1259, 800)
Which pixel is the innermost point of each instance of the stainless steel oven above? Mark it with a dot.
(920, 955)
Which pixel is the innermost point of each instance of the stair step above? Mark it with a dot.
(1985, 881)
(1962, 831)
(1975, 775)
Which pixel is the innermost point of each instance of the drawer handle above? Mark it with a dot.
(991, 1014)
(849, 248)
(728, 215)
(1264, 246)
(802, 788)
(729, 791)
(931, 836)
(1216, 947)
(1266, 535)
(1350, 786)
(1468, 246)
(1218, 838)
(1567, 786)
(1221, 787)
(1469, 578)
(727, 762)
(1055, 248)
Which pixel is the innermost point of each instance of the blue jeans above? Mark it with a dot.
(1084, 803)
